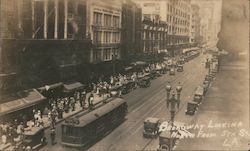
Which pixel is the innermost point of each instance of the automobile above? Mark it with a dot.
(33, 139)
(207, 64)
(208, 78)
(191, 107)
(180, 68)
(151, 127)
(181, 61)
(165, 140)
(172, 71)
(198, 94)
(206, 86)
(144, 82)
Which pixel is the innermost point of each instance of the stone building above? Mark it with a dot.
(131, 29)
(46, 41)
(195, 37)
(104, 28)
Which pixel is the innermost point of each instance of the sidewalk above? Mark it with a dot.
(97, 99)
(224, 113)
(78, 109)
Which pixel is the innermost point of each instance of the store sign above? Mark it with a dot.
(105, 10)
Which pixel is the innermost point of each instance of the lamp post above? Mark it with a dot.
(168, 89)
(173, 101)
(178, 90)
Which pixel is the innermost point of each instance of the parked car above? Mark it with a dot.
(151, 127)
(180, 68)
(172, 71)
(192, 107)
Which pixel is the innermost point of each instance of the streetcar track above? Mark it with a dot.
(159, 103)
(149, 106)
(182, 105)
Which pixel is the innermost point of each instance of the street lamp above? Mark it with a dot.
(168, 89)
(178, 90)
(173, 101)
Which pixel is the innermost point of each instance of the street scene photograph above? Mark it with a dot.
(124, 75)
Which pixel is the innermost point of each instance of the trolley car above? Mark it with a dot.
(83, 130)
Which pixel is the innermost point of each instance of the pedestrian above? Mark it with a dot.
(54, 114)
(66, 107)
(72, 103)
(52, 135)
(60, 110)
(82, 99)
(90, 100)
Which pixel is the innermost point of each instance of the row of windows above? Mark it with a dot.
(178, 12)
(152, 36)
(106, 54)
(106, 37)
(101, 19)
(177, 30)
(177, 20)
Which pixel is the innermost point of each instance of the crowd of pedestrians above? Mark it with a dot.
(12, 131)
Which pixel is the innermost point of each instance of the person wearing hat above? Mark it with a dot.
(90, 100)
(72, 103)
(82, 99)
(52, 135)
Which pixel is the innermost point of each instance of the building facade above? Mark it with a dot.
(104, 28)
(171, 18)
(46, 41)
(178, 20)
(154, 35)
(195, 37)
(131, 29)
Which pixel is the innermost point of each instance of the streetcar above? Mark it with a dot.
(82, 130)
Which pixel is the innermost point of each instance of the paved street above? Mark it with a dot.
(148, 102)
(227, 102)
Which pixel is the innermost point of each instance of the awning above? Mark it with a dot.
(49, 87)
(139, 63)
(24, 99)
(190, 49)
(128, 68)
(73, 86)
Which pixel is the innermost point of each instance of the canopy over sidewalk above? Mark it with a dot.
(73, 86)
(190, 49)
(23, 99)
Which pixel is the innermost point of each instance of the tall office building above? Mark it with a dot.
(195, 37)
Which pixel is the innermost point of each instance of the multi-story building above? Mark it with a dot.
(131, 29)
(44, 39)
(104, 27)
(154, 35)
(195, 37)
(210, 21)
(174, 18)
(178, 20)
